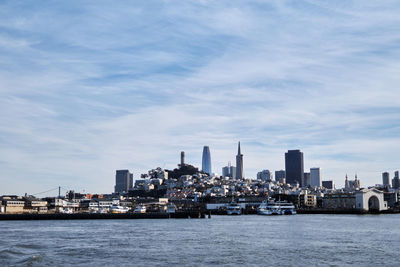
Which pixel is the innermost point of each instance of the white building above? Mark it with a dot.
(315, 177)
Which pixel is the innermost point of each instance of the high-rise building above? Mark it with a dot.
(294, 166)
(315, 177)
(229, 171)
(206, 160)
(386, 179)
(329, 184)
(307, 179)
(264, 175)
(396, 180)
(280, 175)
(239, 164)
(123, 181)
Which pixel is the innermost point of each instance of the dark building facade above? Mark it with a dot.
(294, 167)
(123, 181)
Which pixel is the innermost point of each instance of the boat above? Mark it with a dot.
(171, 208)
(272, 207)
(118, 209)
(233, 208)
(140, 209)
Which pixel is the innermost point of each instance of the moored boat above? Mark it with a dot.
(271, 207)
(233, 209)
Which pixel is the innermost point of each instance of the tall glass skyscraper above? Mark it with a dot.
(206, 162)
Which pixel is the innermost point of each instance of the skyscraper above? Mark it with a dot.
(396, 180)
(315, 177)
(123, 181)
(229, 171)
(206, 161)
(294, 166)
(239, 164)
(386, 179)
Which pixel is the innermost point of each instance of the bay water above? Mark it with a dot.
(248, 240)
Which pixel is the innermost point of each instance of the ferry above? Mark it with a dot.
(118, 209)
(272, 207)
(140, 209)
(233, 209)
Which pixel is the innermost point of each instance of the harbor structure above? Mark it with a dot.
(206, 160)
(294, 167)
(123, 181)
(315, 177)
(239, 164)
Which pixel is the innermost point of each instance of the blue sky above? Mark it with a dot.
(88, 87)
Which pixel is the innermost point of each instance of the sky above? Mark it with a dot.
(89, 87)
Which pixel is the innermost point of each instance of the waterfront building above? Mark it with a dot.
(329, 184)
(280, 175)
(370, 200)
(294, 167)
(239, 164)
(307, 179)
(315, 177)
(123, 181)
(396, 180)
(386, 179)
(206, 160)
(265, 175)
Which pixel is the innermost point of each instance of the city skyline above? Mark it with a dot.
(129, 86)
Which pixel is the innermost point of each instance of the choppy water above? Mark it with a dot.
(301, 240)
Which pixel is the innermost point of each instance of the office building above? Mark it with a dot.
(229, 171)
(315, 177)
(396, 180)
(328, 184)
(239, 164)
(123, 181)
(294, 167)
(280, 175)
(206, 160)
(386, 179)
(265, 175)
(307, 179)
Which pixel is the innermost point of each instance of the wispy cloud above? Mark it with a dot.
(86, 88)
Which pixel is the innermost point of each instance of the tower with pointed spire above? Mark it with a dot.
(239, 164)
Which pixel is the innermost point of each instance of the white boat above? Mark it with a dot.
(118, 209)
(233, 209)
(140, 209)
(272, 207)
(171, 208)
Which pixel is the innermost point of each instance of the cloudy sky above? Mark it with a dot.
(88, 87)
